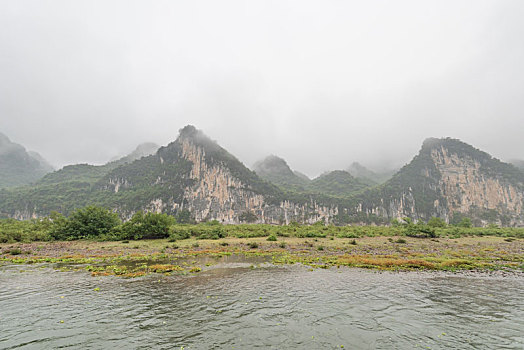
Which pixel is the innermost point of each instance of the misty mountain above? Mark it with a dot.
(519, 163)
(302, 176)
(143, 150)
(368, 176)
(18, 166)
(89, 174)
(447, 178)
(278, 172)
(338, 183)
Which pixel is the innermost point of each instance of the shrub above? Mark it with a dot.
(436, 222)
(272, 238)
(179, 232)
(15, 251)
(88, 222)
(147, 226)
(465, 222)
(419, 230)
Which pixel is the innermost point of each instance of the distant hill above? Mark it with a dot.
(277, 171)
(18, 166)
(338, 183)
(143, 150)
(89, 174)
(368, 176)
(519, 163)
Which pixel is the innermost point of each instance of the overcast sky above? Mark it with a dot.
(319, 83)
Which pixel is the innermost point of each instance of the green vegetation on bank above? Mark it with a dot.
(101, 224)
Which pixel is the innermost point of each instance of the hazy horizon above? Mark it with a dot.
(320, 84)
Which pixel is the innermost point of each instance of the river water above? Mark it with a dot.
(232, 305)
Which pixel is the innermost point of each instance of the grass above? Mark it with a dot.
(383, 253)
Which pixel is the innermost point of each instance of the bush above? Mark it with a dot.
(15, 251)
(147, 226)
(272, 238)
(88, 222)
(436, 222)
(311, 234)
(419, 230)
(177, 232)
(465, 222)
(207, 232)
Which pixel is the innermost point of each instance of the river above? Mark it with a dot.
(235, 305)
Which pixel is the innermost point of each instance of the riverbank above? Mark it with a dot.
(139, 258)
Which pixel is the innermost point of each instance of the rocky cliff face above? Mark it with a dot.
(217, 194)
(466, 187)
(449, 177)
(194, 173)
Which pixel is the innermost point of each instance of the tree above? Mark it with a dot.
(419, 229)
(465, 222)
(147, 226)
(436, 222)
(90, 222)
(58, 229)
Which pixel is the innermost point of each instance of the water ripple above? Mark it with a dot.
(263, 308)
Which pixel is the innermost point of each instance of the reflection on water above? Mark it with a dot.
(232, 305)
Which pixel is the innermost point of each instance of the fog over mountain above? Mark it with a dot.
(321, 84)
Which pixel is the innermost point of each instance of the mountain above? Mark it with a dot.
(447, 178)
(18, 166)
(89, 174)
(143, 150)
(302, 176)
(368, 176)
(192, 173)
(277, 171)
(338, 183)
(519, 163)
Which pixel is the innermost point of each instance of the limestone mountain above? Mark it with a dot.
(18, 166)
(192, 173)
(275, 170)
(338, 183)
(142, 150)
(369, 176)
(448, 178)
